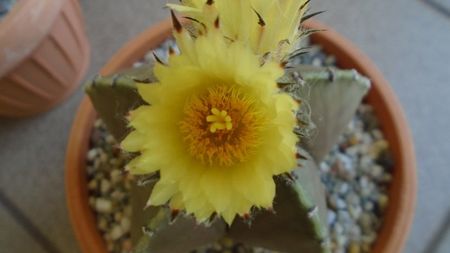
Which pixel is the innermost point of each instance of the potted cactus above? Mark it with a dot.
(219, 135)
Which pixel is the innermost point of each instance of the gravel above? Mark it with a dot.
(356, 183)
(356, 175)
(109, 189)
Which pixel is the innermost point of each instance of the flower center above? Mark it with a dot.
(221, 126)
(220, 120)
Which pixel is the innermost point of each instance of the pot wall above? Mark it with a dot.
(37, 80)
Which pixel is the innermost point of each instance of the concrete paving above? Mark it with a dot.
(408, 39)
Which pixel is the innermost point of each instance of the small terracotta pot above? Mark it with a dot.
(44, 54)
(398, 216)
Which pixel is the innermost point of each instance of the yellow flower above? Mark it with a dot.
(267, 26)
(216, 128)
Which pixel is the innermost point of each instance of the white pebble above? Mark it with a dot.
(110, 139)
(337, 229)
(92, 154)
(341, 240)
(137, 64)
(377, 171)
(98, 123)
(343, 216)
(369, 238)
(331, 217)
(355, 232)
(353, 199)
(103, 205)
(355, 211)
(343, 188)
(363, 182)
(365, 161)
(324, 167)
(368, 206)
(377, 134)
(340, 203)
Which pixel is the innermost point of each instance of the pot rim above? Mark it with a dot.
(402, 194)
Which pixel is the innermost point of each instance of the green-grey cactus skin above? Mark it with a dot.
(298, 220)
(298, 223)
(332, 97)
(182, 234)
(114, 96)
(154, 228)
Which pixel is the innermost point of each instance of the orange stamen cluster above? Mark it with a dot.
(221, 137)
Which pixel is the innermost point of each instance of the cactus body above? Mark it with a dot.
(298, 220)
(332, 97)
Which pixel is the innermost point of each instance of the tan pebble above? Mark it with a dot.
(127, 245)
(117, 195)
(104, 186)
(102, 224)
(92, 185)
(97, 164)
(383, 201)
(227, 242)
(110, 246)
(354, 248)
(377, 147)
(118, 216)
(116, 176)
(354, 139)
(103, 157)
(125, 224)
(365, 247)
(116, 232)
(217, 246)
(113, 161)
(92, 202)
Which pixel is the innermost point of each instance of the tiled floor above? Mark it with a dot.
(407, 39)
(14, 237)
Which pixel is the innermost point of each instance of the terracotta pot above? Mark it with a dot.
(44, 54)
(402, 192)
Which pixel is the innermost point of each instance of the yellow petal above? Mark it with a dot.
(150, 92)
(161, 193)
(133, 142)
